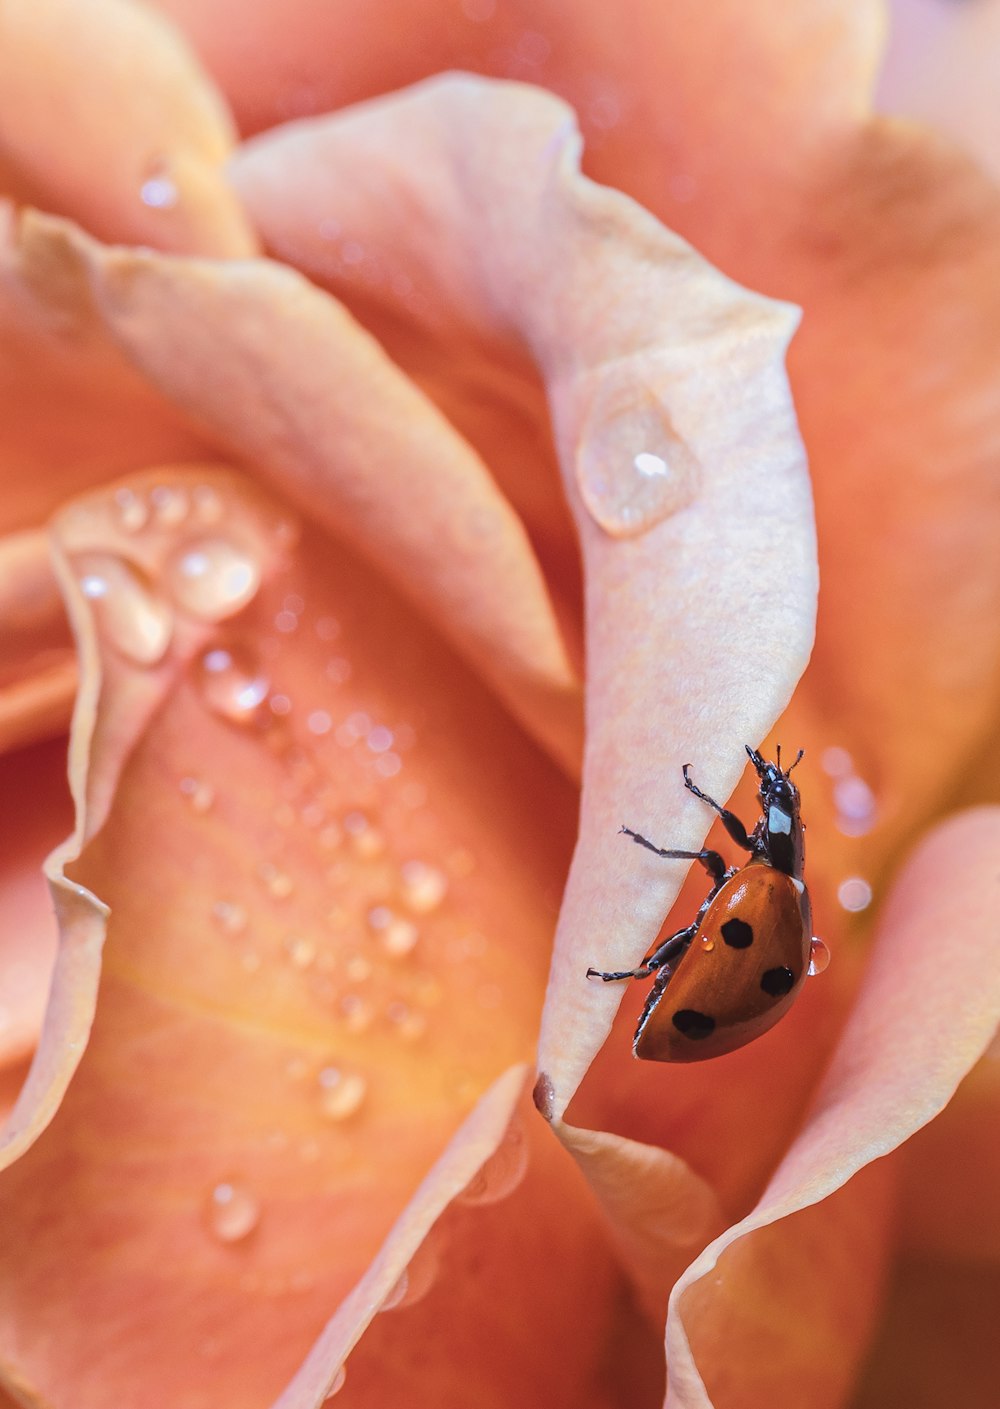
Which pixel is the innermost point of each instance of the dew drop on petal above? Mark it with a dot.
(212, 578)
(633, 467)
(502, 1172)
(337, 1383)
(819, 956)
(342, 1094)
(231, 683)
(129, 614)
(233, 1212)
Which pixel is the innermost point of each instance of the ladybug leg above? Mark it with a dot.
(730, 821)
(666, 953)
(711, 860)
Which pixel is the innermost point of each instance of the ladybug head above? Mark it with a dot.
(776, 786)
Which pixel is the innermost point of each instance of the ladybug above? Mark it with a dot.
(737, 968)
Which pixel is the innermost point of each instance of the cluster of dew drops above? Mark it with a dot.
(208, 574)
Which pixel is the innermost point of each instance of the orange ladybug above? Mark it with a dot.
(737, 968)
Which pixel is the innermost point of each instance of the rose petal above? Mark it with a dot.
(928, 1006)
(646, 351)
(35, 813)
(284, 377)
(322, 946)
(55, 352)
(38, 677)
(111, 119)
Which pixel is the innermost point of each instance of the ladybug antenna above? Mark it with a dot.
(755, 759)
(777, 753)
(798, 757)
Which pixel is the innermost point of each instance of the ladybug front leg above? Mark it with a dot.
(711, 860)
(666, 953)
(730, 821)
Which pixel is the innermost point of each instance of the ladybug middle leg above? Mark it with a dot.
(729, 820)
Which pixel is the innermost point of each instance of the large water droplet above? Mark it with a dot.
(129, 614)
(342, 1093)
(633, 467)
(502, 1172)
(819, 956)
(233, 1212)
(232, 684)
(212, 578)
(337, 1383)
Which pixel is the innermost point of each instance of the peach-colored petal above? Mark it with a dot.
(511, 1288)
(34, 814)
(112, 121)
(937, 1343)
(928, 1006)
(56, 353)
(472, 191)
(321, 946)
(285, 378)
(38, 673)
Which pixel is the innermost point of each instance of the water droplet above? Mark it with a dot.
(424, 887)
(170, 505)
(708, 944)
(233, 1212)
(301, 951)
(158, 190)
(342, 1094)
(212, 578)
(854, 893)
(131, 509)
(337, 1383)
(819, 956)
(230, 917)
(128, 613)
(319, 722)
(200, 795)
(502, 1172)
(633, 467)
(231, 683)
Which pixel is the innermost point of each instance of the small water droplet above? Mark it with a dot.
(232, 684)
(502, 1172)
(233, 1212)
(337, 1383)
(212, 578)
(301, 951)
(200, 795)
(230, 917)
(633, 467)
(708, 944)
(131, 509)
(159, 190)
(819, 956)
(342, 1094)
(424, 887)
(129, 614)
(854, 893)
(170, 505)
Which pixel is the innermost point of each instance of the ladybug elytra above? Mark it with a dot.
(737, 968)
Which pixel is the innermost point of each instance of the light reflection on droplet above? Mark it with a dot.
(232, 684)
(423, 886)
(819, 956)
(233, 1212)
(854, 893)
(212, 578)
(342, 1094)
(129, 613)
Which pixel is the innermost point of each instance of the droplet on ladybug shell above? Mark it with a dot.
(819, 956)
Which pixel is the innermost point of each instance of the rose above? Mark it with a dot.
(771, 1079)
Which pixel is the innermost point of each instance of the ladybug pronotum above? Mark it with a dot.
(737, 968)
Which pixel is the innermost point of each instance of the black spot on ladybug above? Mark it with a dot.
(738, 934)
(692, 1024)
(777, 982)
